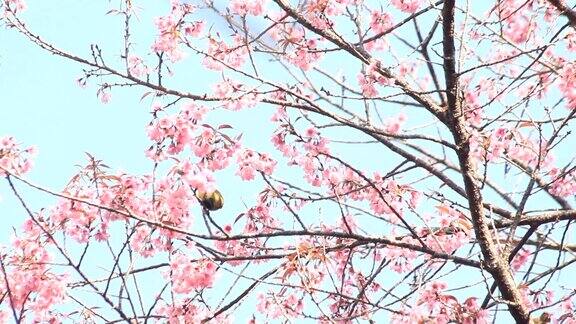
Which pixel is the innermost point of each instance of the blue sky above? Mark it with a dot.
(43, 106)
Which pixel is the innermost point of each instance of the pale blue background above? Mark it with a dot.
(40, 104)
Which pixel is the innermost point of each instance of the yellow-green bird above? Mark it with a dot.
(212, 200)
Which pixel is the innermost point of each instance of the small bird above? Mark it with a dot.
(212, 200)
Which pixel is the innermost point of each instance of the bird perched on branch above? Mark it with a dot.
(210, 200)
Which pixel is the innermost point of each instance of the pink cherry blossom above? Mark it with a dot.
(17, 5)
(250, 162)
(194, 29)
(380, 21)
(249, 7)
(136, 66)
(409, 6)
(105, 96)
(14, 159)
(188, 275)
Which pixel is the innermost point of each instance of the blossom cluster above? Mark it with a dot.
(172, 27)
(13, 158)
(434, 304)
(33, 284)
(299, 50)
(188, 275)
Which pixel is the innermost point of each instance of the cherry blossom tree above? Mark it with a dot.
(416, 166)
